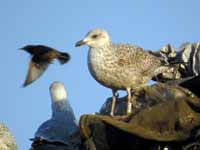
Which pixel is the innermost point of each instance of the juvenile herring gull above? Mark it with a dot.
(62, 127)
(42, 56)
(119, 66)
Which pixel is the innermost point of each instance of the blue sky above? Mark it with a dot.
(59, 24)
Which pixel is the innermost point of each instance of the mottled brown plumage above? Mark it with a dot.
(42, 56)
(119, 66)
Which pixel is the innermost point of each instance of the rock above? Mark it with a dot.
(170, 118)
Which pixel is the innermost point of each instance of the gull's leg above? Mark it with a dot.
(129, 104)
(113, 103)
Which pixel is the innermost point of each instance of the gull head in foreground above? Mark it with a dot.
(62, 127)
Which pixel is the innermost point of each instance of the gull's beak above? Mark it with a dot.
(80, 43)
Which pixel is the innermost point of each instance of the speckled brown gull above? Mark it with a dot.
(119, 66)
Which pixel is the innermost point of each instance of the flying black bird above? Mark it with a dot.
(42, 56)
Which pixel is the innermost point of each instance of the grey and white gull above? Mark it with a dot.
(119, 66)
(63, 126)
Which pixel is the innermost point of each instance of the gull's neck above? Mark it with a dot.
(101, 46)
(62, 107)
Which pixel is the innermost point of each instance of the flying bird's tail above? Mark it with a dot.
(63, 57)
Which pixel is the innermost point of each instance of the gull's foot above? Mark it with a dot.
(111, 113)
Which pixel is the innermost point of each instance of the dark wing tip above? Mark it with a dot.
(68, 56)
(25, 84)
(64, 58)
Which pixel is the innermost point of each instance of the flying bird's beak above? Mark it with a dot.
(80, 43)
(22, 48)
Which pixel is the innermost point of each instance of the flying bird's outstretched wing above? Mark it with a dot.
(34, 72)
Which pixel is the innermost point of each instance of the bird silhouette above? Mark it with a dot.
(42, 56)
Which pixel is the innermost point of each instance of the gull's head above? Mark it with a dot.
(95, 38)
(58, 92)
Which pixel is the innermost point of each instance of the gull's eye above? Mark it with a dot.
(94, 36)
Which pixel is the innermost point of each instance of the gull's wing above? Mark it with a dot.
(132, 57)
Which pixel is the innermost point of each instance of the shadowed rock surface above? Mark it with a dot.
(185, 61)
(170, 118)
